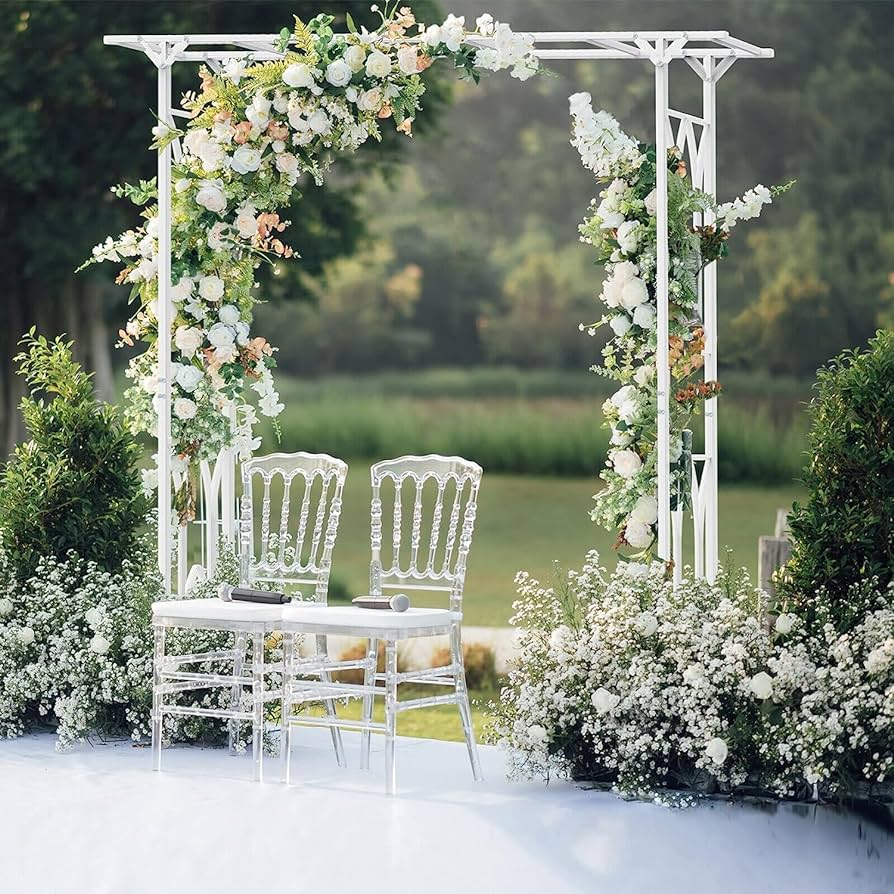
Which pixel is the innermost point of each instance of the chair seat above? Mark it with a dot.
(350, 619)
(216, 610)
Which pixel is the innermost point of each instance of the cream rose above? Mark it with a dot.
(99, 645)
(246, 223)
(338, 73)
(378, 65)
(407, 59)
(298, 75)
(211, 288)
(634, 293)
(184, 408)
(25, 636)
(245, 160)
(638, 535)
(229, 314)
(761, 685)
(644, 316)
(188, 377)
(188, 340)
(626, 462)
(370, 100)
(645, 510)
(286, 163)
(211, 196)
(355, 57)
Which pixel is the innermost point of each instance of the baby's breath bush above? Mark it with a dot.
(627, 680)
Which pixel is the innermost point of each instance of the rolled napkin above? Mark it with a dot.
(399, 602)
(229, 593)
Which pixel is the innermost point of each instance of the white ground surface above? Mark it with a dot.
(99, 820)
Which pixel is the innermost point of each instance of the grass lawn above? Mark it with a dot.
(529, 523)
(437, 722)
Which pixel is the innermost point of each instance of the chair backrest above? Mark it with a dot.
(438, 495)
(297, 550)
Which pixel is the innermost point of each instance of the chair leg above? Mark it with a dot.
(390, 714)
(369, 679)
(257, 692)
(326, 677)
(157, 696)
(465, 709)
(236, 692)
(285, 714)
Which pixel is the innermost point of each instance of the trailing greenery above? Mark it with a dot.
(844, 533)
(73, 485)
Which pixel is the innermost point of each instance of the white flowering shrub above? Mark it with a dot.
(626, 680)
(75, 648)
(832, 717)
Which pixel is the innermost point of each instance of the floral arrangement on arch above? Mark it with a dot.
(255, 129)
(622, 227)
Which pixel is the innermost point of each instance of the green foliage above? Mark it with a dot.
(73, 486)
(528, 422)
(844, 533)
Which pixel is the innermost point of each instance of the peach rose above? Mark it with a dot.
(243, 129)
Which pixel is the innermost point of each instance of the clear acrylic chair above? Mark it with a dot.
(293, 554)
(439, 494)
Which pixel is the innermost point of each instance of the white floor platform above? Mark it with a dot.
(98, 820)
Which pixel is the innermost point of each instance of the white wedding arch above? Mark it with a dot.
(710, 54)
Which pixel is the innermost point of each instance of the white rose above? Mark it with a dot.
(298, 75)
(229, 314)
(211, 154)
(693, 674)
(6, 607)
(149, 384)
(611, 291)
(628, 236)
(638, 535)
(184, 408)
(211, 288)
(643, 375)
(620, 324)
(194, 139)
(407, 58)
(25, 636)
(537, 734)
(609, 219)
(717, 750)
(634, 293)
(188, 377)
(258, 113)
(623, 394)
(784, 624)
(651, 203)
(93, 616)
(453, 31)
(644, 316)
(647, 624)
(287, 164)
(432, 36)
(212, 197)
(338, 73)
(319, 122)
(645, 510)
(378, 65)
(221, 336)
(624, 271)
(245, 159)
(216, 236)
(245, 223)
(761, 685)
(99, 645)
(604, 701)
(370, 100)
(484, 25)
(355, 57)
(183, 288)
(626, 462)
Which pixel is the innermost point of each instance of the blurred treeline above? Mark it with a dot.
(466, 252)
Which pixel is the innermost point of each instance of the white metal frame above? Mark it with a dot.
(710, 54)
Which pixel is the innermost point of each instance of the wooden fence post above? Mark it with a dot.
(772, 553)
